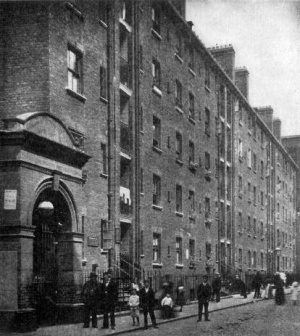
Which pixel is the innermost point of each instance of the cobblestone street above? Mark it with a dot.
(260, 318)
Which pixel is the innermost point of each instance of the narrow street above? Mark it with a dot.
(262, 318)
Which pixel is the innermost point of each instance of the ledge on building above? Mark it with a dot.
(207, 88)
(156, 34)
(191, 71)
(104, 100)
(157, 265)
(76, 95)
(103, 24)
(179, 265)
(157, 207)
(178, 109)
(179, 214)
(157, 150)
(156, 90)
(104, 175)
(178, 58)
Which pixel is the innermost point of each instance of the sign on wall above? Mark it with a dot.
(10, 199)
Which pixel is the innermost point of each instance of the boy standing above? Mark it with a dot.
(134, 301)
(203, 294)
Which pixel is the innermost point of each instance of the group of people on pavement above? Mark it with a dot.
(106, 293)
(143, 298)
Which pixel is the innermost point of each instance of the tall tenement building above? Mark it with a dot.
(127, 145)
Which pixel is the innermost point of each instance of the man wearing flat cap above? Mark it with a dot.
(90, 295)
(203, 294)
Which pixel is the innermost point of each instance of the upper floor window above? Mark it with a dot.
(179, 146)
(178, 198)
(191, 63)
(192, 249)
(156, 72)
(126, 11)
(240, 184)
(240, 149)
(191, 106)
(262, 168)
(207, 76)
(207, 161)
(178, 93)
(207, 121)
(156, 247)
(192, 201)
(156, 19)
(156, 132)
(156, 189)
(191, 152)
(103, 82)
(103, 11)
(249, 158)
(178, 45)
(254, 162)
(75, 70)
(229, 108)
(178, 250)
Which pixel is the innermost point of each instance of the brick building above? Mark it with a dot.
(123, 141)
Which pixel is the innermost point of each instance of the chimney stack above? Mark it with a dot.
(277, 129)
(266, 114)
(225, 56)
(242, 81)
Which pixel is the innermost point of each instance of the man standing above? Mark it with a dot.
(216, 287)
(147, 303)
(90, 295)
(109, 296)
(203, 294)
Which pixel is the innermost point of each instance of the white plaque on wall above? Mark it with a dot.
(10, 199)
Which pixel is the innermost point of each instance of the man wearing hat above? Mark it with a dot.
(203, 294)
(109, 296)
(90, 295)
(216, 287)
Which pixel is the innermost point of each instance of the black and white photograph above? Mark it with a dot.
(149, 167)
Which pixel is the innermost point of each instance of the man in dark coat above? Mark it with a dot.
(216, 287)
(203, 294)
(257, 284)
(90, 295)
(109, 297)
(147, 302)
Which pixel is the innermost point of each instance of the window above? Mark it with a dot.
(192, 201)
(249, 191)
(104, 159)
(191, 106)
(75, 70)
(240, 148)
(262, 228)
(229, 108)
(156, 132)
(178, 198)
(254, 260)
(240, 256)
(240, 185)
(207, 161)
(249, 224)
(156, 73)
(254, 195)
(254, 162)
(126, 12)
(261, 260)
(105, 235)
(156, 189)
(262, 198)
(156, 247)
(156, 19)
(178, 45)
(179, 146)
(179, 250)
(103, 14)
(207, 121)
(208, 250)
(261, 168)
(240, 222)
(191, 63)
(254, 226)
(207, 208)
(191, 152)
(192, 249)
(103, 82)
(249, 259)
(207, 77)
(249, 158)
(178, 93)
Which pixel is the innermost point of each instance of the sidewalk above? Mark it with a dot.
(124, 322)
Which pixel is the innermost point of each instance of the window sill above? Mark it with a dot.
(71, 7)
(156, 90)
(179, 265)
(104, 175)
(142, 132)
(178, 58)
(141, 71)
(249, 132)
(104, 251)
(207, 88)
(178, 109)
(157, 207)
(142, 194)
(103, 24)
(179, 162)
(104, 100)
(156, 34)
(126, 90)
(157, 150)
(179, 214)
(192, 120)
(125, 25)
(76, 95)
(157, 265)
(191, 71)
(240, 123)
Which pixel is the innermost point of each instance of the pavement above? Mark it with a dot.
(124, 321)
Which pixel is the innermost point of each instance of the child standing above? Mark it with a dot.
(134, 301)
(167, 306)
(294, 292)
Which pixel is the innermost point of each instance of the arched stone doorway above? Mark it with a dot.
(51, 219)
